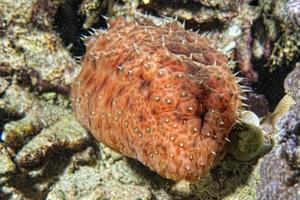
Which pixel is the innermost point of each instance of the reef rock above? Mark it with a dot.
(280, 169)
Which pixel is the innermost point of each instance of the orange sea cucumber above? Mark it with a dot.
(157, 93)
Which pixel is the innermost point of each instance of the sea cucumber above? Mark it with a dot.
(155, 92)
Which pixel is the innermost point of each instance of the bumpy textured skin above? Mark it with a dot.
(157, 93)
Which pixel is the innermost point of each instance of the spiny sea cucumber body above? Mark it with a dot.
(157, 93)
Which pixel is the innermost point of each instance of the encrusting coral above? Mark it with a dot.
(158, 93)
(292, 10)
(39, 59)
(40, 122)
(280, 168)
(36, 136)
(7, 165)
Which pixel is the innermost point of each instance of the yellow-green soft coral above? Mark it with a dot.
(247, 138)
(246, 142)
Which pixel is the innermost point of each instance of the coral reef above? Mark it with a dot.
(40, 131)
(88, 179)
(3, 85)
(292, 8)
(91, 10)
(31, 49)
(37, 116)
(206, 10)
(164, 85)
(37, 12)
(292, 83)
(38, 58)
(280, 39)
(7, 165)
(283, 182)
(46, 154)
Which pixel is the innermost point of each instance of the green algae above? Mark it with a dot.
(247, 141)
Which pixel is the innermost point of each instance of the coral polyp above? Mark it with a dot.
(155, 92)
